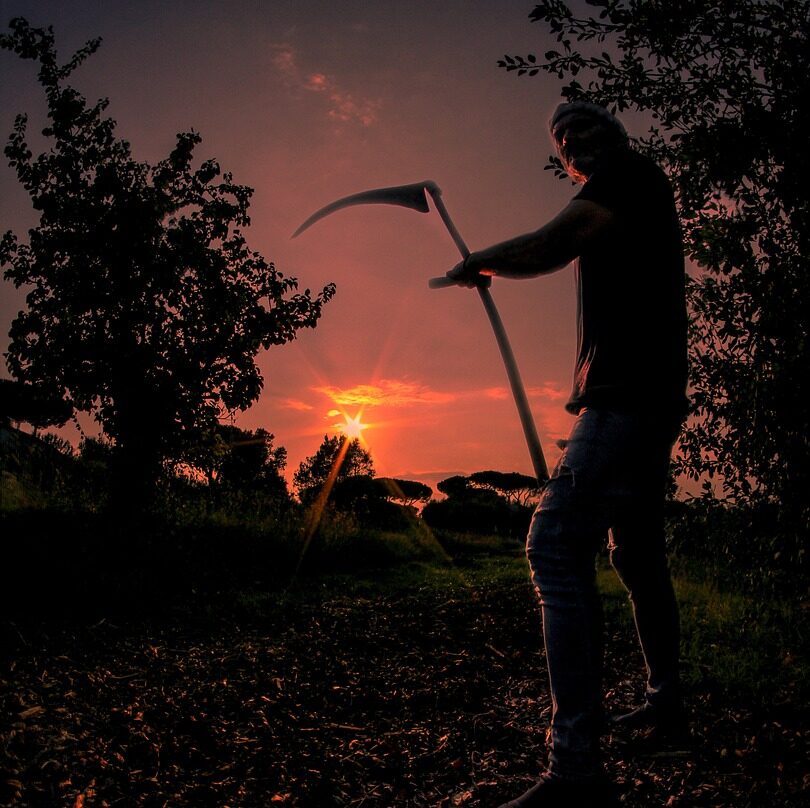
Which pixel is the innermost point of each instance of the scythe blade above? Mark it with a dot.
(406, 196)
(414, 197)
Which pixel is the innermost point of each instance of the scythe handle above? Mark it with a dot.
(508, 357)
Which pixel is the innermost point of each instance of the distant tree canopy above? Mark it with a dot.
(145, 306)
(485, 502)
(513, 486)
(337, 456)
(726, 83)
(408, 492)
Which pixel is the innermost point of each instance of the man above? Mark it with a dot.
(629, 398)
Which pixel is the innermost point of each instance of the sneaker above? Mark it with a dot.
(655, 721)
(555, 792)
(655, 732)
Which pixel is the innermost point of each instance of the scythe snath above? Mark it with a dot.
(414, 197)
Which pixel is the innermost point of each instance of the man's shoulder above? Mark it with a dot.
(626, 177)
(628, 162)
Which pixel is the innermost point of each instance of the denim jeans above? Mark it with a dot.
(608, 485)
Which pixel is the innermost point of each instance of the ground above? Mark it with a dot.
(355, 692)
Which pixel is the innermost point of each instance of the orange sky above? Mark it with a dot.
(308, 101)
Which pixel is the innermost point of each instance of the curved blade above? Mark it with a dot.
(406, 196)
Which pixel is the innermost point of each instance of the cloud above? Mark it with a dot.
(388, 392)
(340, 105)
(296, 404)
(548, 390)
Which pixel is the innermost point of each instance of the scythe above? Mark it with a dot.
(414, 197)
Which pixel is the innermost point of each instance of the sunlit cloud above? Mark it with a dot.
(387, 392)
(296, 404)
(549, 391)
(341, 105)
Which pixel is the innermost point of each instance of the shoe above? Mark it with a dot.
(656, 731)
(555, 792)
(656, 723)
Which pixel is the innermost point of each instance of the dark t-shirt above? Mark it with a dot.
(631, 312)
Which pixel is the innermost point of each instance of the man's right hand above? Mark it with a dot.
(469, 273)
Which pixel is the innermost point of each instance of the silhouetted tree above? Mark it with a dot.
(408, 492)
(246, 461)
(475, 509)
(337, 454)
(515, 487)
(726, 84)
(24, 402)
(455, 486)
(146, 307)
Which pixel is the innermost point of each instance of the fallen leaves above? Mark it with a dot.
(418, 701)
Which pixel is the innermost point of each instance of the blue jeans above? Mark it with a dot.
(608, 483)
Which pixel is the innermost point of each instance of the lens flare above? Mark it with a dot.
(353, 428)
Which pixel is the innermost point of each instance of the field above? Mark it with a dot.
(416, 683)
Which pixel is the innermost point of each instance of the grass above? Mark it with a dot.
(731, 641)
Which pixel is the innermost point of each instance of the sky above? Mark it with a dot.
(306, 101)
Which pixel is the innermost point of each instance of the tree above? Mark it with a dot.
(725, 85)
(408, 492)
(513, 486)
(338, 457)
(473, 508)
(23, 402)
(146, 307)
(245, 461)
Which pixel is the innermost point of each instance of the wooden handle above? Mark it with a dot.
(442, 282)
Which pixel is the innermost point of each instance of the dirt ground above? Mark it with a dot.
(429, 698)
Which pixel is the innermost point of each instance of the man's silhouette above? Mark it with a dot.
(629, 399)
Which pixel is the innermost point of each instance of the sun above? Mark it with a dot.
(353, 428)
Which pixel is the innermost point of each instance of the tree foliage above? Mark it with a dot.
(242, 460)
(145, 305)
(337, 456)
(513, 486)
(408, 492)
(475, 507)
(725, 85)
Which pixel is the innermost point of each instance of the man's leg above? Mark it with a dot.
(568, 528)
(562, 552)
(638, 554)
(592, 483)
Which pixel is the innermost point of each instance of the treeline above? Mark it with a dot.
(240, 473)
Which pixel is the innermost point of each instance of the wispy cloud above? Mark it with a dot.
(549, 391)
(389, 392)
(341, 105)
(295, 404)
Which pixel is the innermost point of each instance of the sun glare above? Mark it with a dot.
(353, 428)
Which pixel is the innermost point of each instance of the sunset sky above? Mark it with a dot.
(308, 101)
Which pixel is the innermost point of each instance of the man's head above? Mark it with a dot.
(583, 133)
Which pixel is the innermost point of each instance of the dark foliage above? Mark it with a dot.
(146, 306)
(337, 459)
(726, 86)
(475, 509)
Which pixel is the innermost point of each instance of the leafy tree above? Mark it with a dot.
(337, 456)
(24, 402)
(455, 486)
(514, 487)
(146, 306)
(408, 492)
(725, 84)
(246, 461)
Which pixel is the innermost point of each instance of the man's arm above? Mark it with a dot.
(546, 250)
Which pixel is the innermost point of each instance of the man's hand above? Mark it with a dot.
(470, 273)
